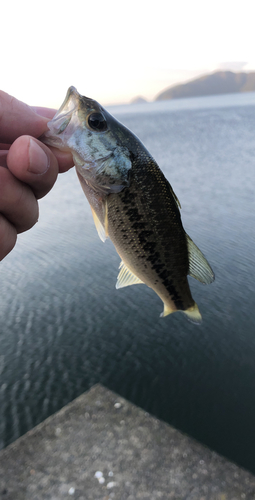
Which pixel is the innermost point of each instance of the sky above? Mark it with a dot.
(113, 51)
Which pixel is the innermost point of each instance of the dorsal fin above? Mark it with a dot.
(199, 268)
(126, 277)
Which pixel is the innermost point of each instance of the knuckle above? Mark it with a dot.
(17, 202)
(4, 181)
(29, 218)
(4, 98)
(1, 112)
(8, 237)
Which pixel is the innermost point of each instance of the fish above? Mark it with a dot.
(132, 203)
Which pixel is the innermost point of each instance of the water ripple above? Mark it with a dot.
(64, 326)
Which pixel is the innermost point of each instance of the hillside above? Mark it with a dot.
(138, 100)
(220, 82)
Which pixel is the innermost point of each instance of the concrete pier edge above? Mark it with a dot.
(102, 447)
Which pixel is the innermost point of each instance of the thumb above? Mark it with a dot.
(33, 163)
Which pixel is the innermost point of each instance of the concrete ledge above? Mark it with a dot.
(101, 447)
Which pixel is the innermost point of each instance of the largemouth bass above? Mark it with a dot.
(132, 203)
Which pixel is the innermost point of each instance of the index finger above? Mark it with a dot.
(17, 118)
(46, 112)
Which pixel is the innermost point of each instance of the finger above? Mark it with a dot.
(33, 163)
(17, 118)
(65, 160)
(8, 237)
(46, 112)
(3, 158)
(17, 202)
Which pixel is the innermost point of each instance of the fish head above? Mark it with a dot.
(95, 139)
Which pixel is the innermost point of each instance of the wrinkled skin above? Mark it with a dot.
(28, 168)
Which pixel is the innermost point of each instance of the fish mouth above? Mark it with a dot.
(63, 116)
(61, 119)
(70, 103)
(72, 92)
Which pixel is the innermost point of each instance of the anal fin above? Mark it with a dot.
(167, 310)
(126, 277)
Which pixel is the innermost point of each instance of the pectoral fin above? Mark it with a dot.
(199, 268)
(126, 277)
(102, 230)
(105, 206)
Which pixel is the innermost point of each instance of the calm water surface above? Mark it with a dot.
(64, 326)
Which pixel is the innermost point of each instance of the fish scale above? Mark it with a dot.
(132, 203)
(153, 248)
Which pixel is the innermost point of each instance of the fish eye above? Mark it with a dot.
(97, 122)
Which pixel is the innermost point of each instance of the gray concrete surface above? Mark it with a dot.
(101, 447)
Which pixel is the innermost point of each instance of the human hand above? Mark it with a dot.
(28, 168)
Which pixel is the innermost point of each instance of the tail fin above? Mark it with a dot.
(193, 314)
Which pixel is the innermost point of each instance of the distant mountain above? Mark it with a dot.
(138, 100)
(220, 82)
